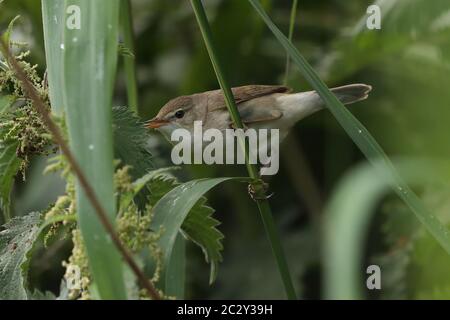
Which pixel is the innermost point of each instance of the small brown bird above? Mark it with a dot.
(260, 106)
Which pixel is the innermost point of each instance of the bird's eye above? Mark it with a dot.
(179, 114)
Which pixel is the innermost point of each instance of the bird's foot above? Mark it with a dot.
(254, 194)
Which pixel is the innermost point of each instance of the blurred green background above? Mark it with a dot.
(408, 64)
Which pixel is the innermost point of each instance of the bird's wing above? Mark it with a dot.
(245, 93)
(242, 94)
(251, 115)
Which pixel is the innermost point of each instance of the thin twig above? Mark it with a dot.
(89, 191)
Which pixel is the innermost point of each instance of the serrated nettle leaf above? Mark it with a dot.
(161, 185)
(199, 225)
(171, 211)
(131, 141)
(16, 242)
(140, 184)
(131, 146)
(9, 167)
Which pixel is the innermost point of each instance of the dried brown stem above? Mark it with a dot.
(89, 191)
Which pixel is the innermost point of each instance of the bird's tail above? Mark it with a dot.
(352, 93)
(302, 104)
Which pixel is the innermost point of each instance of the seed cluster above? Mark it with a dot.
(133, 228)
(22, 124)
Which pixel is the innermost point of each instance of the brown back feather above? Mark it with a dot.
(242, 94)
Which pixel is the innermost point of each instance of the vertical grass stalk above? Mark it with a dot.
(126, 26)
(262, 203)
(290, 36)
(89, 56)
(294, 159)
(360, 136)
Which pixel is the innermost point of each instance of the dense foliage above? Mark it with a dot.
(164, 220)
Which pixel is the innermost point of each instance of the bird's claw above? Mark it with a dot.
(254, 196)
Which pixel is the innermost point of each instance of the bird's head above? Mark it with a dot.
(178, 112)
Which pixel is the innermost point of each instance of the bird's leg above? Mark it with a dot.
(252, 192)
(251, 186)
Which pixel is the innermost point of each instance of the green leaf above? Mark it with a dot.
(348, 219)
(171, 211)
(6, 102)
(131, 141)
(132, 148)
(16, 241)
(9, 167)
(140, 184)
(176, 270)
(361, 137)
(200, 227)
(53, 18)
(89, 66)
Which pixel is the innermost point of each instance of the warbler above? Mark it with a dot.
(260, 106)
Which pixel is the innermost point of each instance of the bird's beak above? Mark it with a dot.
(156, 123)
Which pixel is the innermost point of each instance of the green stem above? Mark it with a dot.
(263, 204)
(290, 36)
(126, 26)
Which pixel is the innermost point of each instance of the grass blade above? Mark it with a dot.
(53, 12)
(360, 136)
(171, 211)
(262, 202)
(347, 223)
(89, 63)
(290, 36)
(126, 24)
(176, 270)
